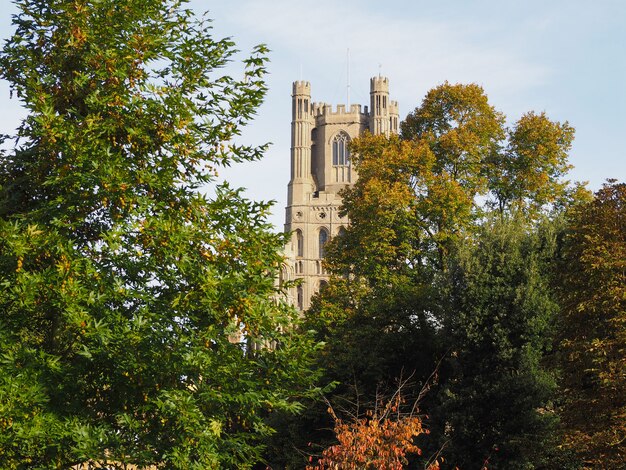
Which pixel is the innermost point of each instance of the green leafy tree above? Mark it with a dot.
(520, 167)
(463, 131)
(383, 266)
(593, 330)
(528, 173)
(496, 397)
(461, 128)
(373, 315)
(140, 322)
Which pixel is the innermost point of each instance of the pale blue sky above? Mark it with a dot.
(567, 58)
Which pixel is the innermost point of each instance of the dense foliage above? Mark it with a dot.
(444, 276)
(140, 322)
(496, 401)
(592, 340)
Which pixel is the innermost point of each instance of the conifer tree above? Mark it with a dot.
(496, 395)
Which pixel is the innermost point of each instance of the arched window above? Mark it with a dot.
(299, 243)
(341, 154)
(300, 298)
(323, 284)
(323, 239)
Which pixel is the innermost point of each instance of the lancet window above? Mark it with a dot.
(300, 297)
(323, 239)
(299, 243)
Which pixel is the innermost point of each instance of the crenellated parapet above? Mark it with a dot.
(379, 85)
(320, 109)
(301, 87)
(325, 114)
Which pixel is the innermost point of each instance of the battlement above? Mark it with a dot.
(393, 107)
(325, 109)
(301, 88)
(379, 84)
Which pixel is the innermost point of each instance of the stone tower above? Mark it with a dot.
(320, 168)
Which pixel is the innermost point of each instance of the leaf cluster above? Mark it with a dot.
(382, 439)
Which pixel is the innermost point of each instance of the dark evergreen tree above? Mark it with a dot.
(496, 409)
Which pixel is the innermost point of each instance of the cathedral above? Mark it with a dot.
(320, 168)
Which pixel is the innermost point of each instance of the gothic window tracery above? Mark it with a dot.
(341, 154)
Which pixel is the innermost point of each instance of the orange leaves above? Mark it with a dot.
(381, 440)
(78, 36)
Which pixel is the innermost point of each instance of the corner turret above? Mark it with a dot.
(380, 107)
(301, 182)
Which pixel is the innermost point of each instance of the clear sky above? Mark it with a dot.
(564, 57)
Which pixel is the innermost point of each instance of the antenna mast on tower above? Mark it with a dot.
(348, 79)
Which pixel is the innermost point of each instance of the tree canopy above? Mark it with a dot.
(140, 320)
(496, 398)
(444, 275)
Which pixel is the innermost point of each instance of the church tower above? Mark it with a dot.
(320, 168)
